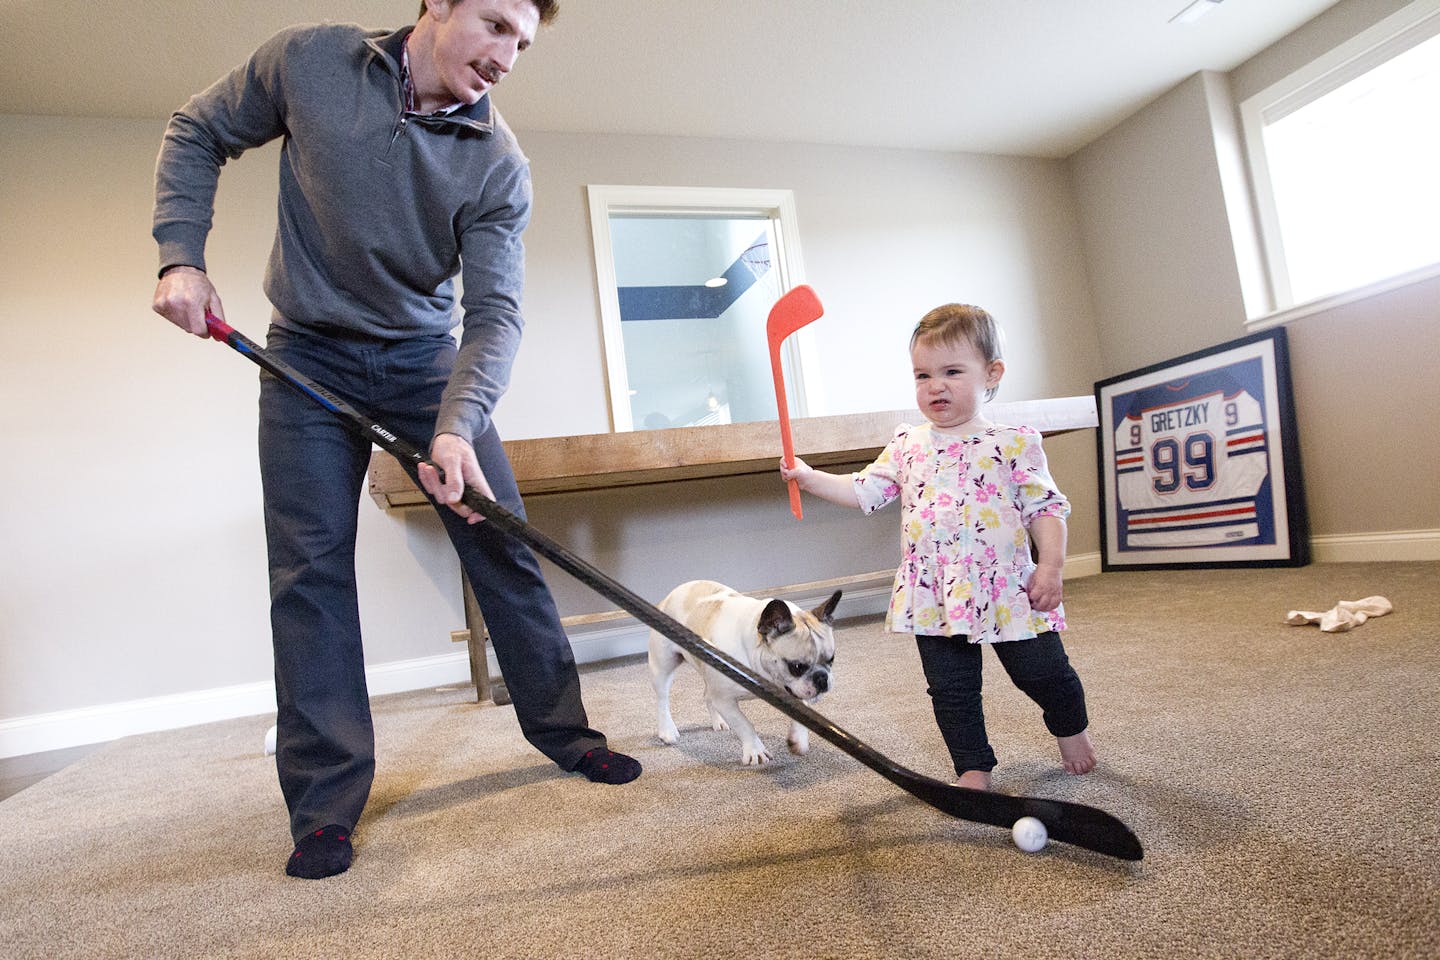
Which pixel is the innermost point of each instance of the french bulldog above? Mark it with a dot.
(792, 647)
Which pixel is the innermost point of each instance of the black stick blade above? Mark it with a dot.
(1073, 823)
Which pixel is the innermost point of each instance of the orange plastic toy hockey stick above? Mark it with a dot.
(792, 311)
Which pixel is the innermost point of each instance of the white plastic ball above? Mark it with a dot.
(270, 741)
(1029, 834)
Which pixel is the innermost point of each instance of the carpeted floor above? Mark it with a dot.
(1284, 783)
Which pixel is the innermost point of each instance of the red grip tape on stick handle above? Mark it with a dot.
(218, 328)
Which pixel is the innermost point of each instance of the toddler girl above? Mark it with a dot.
(969, 492)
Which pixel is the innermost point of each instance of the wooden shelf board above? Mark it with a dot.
(605, 460)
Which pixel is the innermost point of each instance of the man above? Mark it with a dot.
(396, 175)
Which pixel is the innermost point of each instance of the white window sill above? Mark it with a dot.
(1300, 311)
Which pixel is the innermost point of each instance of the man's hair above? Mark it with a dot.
(549, 9)
(956, 323)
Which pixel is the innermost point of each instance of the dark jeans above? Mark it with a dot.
(1039, 667)
(312, 467)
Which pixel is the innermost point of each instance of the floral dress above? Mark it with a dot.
(966, 501)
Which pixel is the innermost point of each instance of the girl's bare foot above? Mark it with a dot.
(975, 780)
(1077, 753)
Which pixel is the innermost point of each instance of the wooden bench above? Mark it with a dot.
(606, 460)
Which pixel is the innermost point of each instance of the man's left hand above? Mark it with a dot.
(455, 456)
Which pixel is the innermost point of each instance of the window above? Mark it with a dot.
(687, 278)
(1344, 155)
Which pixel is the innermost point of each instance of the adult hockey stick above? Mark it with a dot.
(1071, 823)
(797, 307)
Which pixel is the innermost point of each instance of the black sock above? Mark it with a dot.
(606, 766)
(323, 853)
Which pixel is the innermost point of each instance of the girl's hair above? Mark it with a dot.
(956, 323)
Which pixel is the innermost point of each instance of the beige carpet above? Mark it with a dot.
(1284, 783)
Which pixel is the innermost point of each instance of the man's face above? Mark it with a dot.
(478, 41)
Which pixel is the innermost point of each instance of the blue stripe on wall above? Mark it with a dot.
(699, 301)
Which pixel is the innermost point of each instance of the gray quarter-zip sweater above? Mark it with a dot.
(379, 209)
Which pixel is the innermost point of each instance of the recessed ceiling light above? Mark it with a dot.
(1196, 10)
(716, 282)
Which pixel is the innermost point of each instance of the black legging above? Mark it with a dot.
(1039, 667)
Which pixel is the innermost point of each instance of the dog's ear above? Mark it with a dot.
(825, 613)
(775, 619)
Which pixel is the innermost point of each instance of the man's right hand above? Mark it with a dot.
(455, 457)
(183, 296)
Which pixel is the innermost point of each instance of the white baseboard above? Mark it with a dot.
(110, 721)
(1392, 545)
(104, 722)
(1389, 546)
(864, 596)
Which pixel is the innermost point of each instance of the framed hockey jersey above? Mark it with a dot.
(1200, 463)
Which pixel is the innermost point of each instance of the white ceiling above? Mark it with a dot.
(1022, 77)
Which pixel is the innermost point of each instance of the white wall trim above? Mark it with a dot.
(865, 596)
(1333, 301)
(110, 721)
(1391, 545)
(1082, 565)
(779, 205)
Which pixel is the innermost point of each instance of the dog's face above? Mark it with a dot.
(797, 647)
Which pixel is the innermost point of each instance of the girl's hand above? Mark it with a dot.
(797, 473)
(834, 487)
(1045, 589)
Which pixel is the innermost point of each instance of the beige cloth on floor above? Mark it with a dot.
(1345, 615)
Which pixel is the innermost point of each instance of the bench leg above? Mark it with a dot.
(477, 635)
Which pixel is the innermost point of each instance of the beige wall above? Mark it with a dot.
(1157, 241)
(133, 559)
(886, 235)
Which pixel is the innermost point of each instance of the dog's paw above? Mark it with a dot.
(668, 733)
(717, 722)
(799, 740)
(754, 756)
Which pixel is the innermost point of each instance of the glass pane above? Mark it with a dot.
(694, 295)
(1354, 175)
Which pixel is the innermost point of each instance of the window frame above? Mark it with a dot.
(776, 205)
(1406, 28)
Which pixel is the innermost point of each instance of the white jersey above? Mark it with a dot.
(1188, 472)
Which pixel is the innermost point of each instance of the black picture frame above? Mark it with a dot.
(1199, 461)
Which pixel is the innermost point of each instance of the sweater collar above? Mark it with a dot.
(391, 48)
